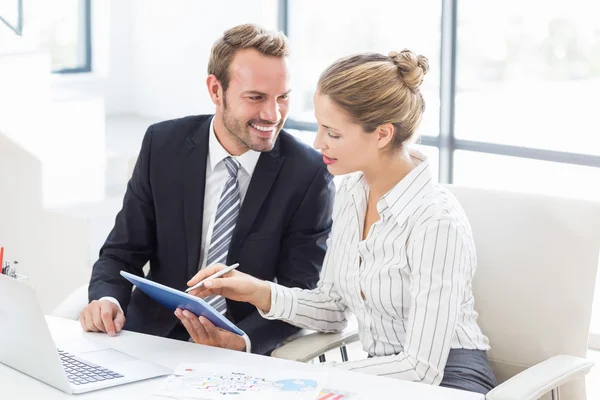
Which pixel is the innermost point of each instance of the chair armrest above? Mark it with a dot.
(541, 378)
(71, 307)
(308, 345)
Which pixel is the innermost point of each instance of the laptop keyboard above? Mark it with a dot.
(80, 372)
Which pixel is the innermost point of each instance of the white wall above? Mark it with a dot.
(50, 247)
(49, 124)
(112, 58)
(150, 56)
(171, 44)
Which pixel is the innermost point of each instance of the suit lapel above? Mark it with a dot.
(264, 176)
(193, 185)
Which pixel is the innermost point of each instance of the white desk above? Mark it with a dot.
(15, 385)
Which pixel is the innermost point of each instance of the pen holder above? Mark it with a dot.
(21, 277)
(10, 270)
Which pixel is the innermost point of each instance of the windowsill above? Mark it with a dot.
(90, 83)
(76, 77)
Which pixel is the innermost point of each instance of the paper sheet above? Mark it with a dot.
(329, 394)
(214, 381)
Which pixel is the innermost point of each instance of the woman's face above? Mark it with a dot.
(345, 146)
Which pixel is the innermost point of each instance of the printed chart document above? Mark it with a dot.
(215, 381)
(329, 394)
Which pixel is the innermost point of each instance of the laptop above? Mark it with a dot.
(82, 366)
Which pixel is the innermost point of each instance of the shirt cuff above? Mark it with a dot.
(112, 300)
(283, 303)
(248, 343)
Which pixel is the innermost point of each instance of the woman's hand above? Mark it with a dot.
(234, 285)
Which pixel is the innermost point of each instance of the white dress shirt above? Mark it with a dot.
(216, 177)
(408, 282)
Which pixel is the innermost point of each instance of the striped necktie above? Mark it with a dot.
(225, 220)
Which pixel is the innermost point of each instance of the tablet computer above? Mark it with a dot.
(173, 299)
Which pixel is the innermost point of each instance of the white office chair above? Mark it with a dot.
(534, 286)
(71, 307)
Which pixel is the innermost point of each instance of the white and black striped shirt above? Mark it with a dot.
(408, 283)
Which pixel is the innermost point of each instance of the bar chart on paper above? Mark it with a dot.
(327, 394)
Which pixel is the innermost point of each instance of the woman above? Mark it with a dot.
(400, 255)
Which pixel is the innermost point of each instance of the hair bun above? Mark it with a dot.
(412, 67)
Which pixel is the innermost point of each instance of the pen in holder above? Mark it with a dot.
(11, 271)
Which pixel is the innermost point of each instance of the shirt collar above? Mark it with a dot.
(217, 153)
(403, 197)
(407, 193)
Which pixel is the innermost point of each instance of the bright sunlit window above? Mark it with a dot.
(528, 74)
(61, 28)
(373, 26)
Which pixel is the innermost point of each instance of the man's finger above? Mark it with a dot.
(202, 334)
(211, 330)
(106, 315)
(189, 328)
(97, 319)
(194, 328)
(82, 322)
(119, 321)
(89, 320)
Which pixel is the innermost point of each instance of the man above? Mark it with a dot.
(227, 188)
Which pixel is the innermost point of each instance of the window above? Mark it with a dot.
(520, 86)
(527, 85)
(528, 74)
(519, 80)
(11, 14)
(343, 27)
(63, 29)
(526, 175)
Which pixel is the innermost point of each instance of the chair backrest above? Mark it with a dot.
(537, 262)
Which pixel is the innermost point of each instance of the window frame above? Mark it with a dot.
(85, 39)
(18, 28)
(447, 142)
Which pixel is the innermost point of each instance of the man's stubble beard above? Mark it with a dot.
(239, 131)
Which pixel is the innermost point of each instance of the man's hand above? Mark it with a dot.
(102, 316)
(203, 331)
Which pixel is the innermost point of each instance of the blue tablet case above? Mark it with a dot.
(173, 299)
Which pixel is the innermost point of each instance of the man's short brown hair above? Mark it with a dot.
(247, 36)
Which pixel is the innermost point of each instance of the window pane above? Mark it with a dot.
(526, 175)
(528, 73)
(432, 153)
(344, 27)
(57, 27)
(307, 137)
(9, 13)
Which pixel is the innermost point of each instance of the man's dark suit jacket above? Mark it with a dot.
(280, 234)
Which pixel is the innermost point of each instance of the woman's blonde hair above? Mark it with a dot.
(246, 36)
(374, 89)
